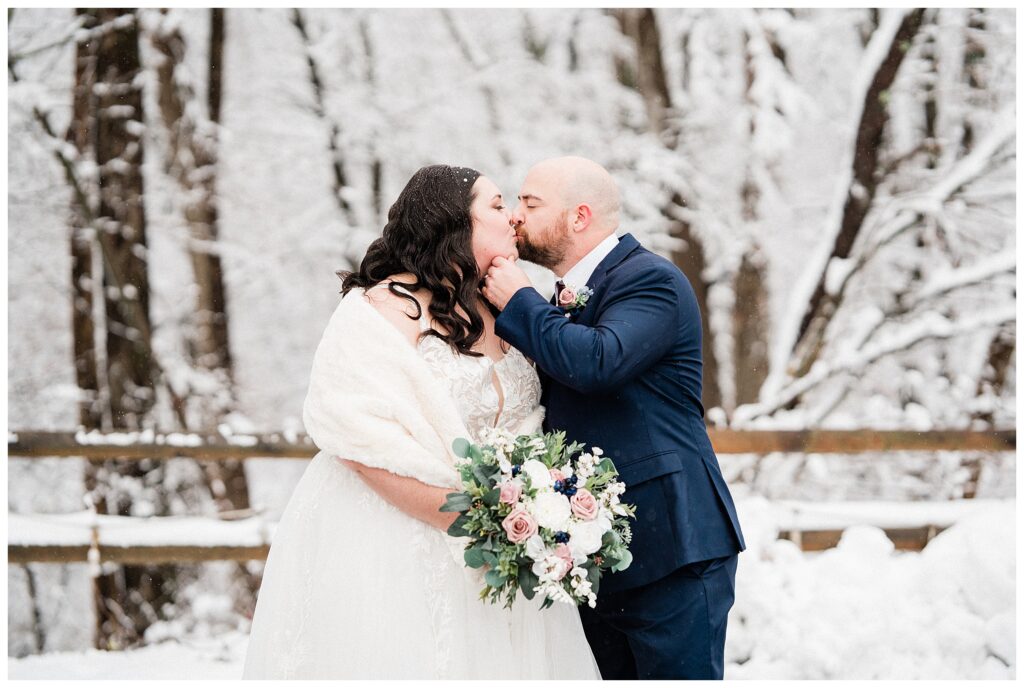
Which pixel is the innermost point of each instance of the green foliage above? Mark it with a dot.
(528, 580)
(625, 560)
(594, 576)
(474, 557)
(494, 578)
(458, 527)
(456, 501)
(461, 447)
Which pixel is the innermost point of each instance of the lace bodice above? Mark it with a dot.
(487, 393)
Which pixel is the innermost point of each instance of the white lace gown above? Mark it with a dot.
(355, 588)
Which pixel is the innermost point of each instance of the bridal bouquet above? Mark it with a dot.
(540, 520)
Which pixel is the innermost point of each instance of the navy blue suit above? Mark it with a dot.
(624, 374)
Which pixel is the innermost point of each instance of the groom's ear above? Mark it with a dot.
(580, 217)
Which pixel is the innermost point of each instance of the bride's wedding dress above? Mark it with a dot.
(355, 588)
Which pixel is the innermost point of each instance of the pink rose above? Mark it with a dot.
(556, 474)
(511, 491)
(563, 552)
(584, 504)
(566, 297)
(519, 525)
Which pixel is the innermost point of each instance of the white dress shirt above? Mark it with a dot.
(579, 273)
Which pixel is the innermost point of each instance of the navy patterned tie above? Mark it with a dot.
(559, 286)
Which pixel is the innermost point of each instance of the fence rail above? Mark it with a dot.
(215, 447)
(33, 444)
(84, 536)
(136, 554)
(906, 539)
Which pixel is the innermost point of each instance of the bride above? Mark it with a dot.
(362, 580)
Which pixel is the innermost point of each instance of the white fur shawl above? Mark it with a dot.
(373, 400)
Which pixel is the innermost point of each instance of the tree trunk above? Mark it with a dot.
(647, 75)
(108, 122)
(376, 164)
(974, 56)
(690, 259)
(83, 281)
(320, 110)
(863, 185)
(751, 307)
(997, 363)
(649, 71)
(750, 327)
(119, 154)
(192, 162)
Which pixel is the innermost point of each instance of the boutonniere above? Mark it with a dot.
(572, 300)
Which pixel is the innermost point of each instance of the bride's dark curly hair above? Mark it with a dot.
(429, 234)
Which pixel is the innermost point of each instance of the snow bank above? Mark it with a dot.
(859, 611)
(865, 611)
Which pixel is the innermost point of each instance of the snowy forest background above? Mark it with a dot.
(838, 185)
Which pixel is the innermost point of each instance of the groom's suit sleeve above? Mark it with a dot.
(636, 327)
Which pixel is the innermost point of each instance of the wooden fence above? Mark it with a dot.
(214, 447)
(89, 537)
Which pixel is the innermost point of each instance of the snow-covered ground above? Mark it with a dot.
(859, 611)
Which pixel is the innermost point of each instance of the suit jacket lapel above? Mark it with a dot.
(627, 244)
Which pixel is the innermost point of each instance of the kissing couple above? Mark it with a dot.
(440, 335)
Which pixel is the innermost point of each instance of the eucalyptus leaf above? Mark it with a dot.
(474, 558)
(482, 476)
(457, 501)
(494, 579)
(528, 581)
(594, 576)
(623, 562)
(456, 529)
(461, 447)
(492, 497)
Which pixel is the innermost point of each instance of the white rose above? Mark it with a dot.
(552, 510)
(585, 536)
(504, 464)
(540, 476)
(535, 548)
(551, 569)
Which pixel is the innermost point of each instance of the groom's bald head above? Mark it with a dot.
(578, 181)
(567, 206)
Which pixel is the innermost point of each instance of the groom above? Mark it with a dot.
(622, 371)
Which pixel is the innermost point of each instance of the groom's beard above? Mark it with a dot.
(549, 251)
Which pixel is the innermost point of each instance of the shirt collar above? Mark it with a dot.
(579, 274)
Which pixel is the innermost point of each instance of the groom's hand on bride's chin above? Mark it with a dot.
(504, 278)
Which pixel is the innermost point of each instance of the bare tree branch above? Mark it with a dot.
(341, 185)
(76, 33)
(863, 183)
(930, 328)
